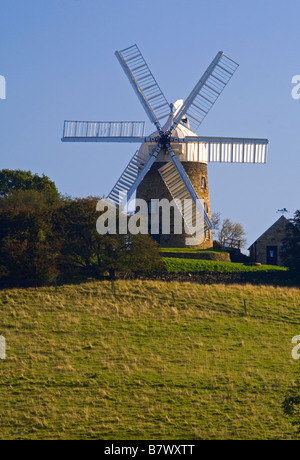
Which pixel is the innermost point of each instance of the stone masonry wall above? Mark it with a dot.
(153, 187)
(272, 237)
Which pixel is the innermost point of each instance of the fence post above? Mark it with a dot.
(245, 307)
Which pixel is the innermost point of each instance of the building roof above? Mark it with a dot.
(280, 222)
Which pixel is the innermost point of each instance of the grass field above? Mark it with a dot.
(156, 361)
(174, 265)
(189, 250)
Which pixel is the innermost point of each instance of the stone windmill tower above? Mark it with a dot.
(157, 185)
(172, 162)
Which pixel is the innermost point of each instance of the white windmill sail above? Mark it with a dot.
(206, 92)
(181, 197)
(144, 84)
(132, 176)
(104, 131)
(225, 149)
(128, 177)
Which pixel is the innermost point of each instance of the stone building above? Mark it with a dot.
(267, 249)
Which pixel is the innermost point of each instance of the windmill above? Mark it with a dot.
(172, 161)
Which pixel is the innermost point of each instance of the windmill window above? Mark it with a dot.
(203, 182)
(205, 207)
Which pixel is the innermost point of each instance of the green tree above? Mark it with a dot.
(16, 180)
(291, 244)
(141, 256)
(75, 226)
(27, 199)
(130, 255)
(39, 241)
(28, 247)
(83, 249)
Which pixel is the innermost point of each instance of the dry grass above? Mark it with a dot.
(156, 361)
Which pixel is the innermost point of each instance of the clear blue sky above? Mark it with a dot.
(58, 60)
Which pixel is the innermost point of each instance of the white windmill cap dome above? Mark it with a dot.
(176, 105)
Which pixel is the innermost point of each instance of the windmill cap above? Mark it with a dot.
(181, 130)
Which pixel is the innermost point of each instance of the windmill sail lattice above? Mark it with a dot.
(206, 92)
(227, 150)
(104, 131)
(144, 83)
(127, 179)
(131, 177)
(181, 196)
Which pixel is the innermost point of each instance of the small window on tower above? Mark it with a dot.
(203, 182)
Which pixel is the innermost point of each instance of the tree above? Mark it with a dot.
(17, 180)
(291, 244)
(215, 222)
(131, 255)
(27, 199)
(75, 226)
(84, 250)
(40, 240)
(232, 234)
(142, 256)
(28, 247)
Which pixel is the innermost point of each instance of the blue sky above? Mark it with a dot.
(58, 60)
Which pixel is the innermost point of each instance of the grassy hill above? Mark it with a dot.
(190, 250)
(174, 265)
(155, 361)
